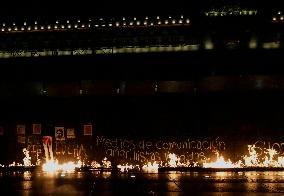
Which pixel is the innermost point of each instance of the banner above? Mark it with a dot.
(1, 131)
(88, 130)
(21, 129)
(37, 129)
(47, 146)
(59, 134)
(21, 139)
(70, 133)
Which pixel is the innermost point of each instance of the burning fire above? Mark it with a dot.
(52, 166)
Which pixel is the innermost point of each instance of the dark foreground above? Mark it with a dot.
(171, 183)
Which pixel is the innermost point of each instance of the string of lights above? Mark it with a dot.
(95, 23)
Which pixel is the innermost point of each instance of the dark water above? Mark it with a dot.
(173, 183)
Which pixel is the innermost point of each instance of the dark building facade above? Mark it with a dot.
(148, 85)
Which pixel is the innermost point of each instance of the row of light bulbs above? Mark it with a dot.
(69, 26)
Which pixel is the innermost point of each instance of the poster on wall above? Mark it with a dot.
(59, 134)
(21, 129)
(88, 130)
(70, 133)
(21, 139)
(37, 129)
(1, 131)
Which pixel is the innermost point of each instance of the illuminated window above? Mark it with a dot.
(3, 24)
(131, 23)
(35, 27)
(56, 22)
(62, 26)
(90, 20)
(96, 25)
(146, 17)
(145, 23)
(124, 23)
(170, 17)
(14, 24)
(159, 22)
(89, 25)
(110, 24)
(22, 28)
(138, 22)
(69, 26)
(48, 27)
(174, 22)
(103, 25)
(151, 24)
(42, 27)
(75, 26)
(281, 18)
(3, 29)
(25, 23)
(134, 18)
(180, 21)
(274, 18)
(279, 12)
(67, 21)
(35, 22)
(29, 28)
(166, 22)
(55, 26)
(187, 21)
(16, 29)
(83, 26)
(123, 18)
(117, 24)
(158, 17)
(79, 21)
(181, 16)
(101, 18)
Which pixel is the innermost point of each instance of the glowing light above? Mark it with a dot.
(117, 24)
(42, 27)
(279, 12)
(35, 22)
(62, 26)
(174, 22)
(9, 29)
(220, 163)
(52, 166)
(138, 22)
(75, 26)
(151, 167)
(180, 21)
(274, 18)
(48, 27)
(166, 21)
(55, 26)
(27, 159)
(35, 27)
(69, 26)
(125, 168)
(187, 21)
(281, 18)
(3, 29)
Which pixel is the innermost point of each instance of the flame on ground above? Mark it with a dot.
(52, 166)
